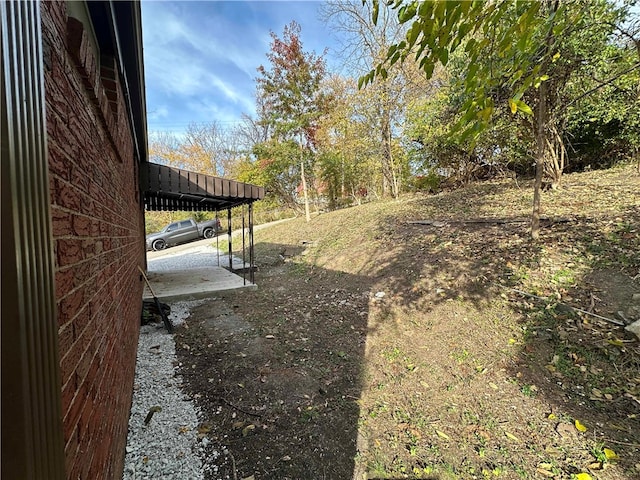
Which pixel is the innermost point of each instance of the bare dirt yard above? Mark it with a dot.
(375, 347)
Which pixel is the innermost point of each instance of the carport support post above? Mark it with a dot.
(244, 270)
(251, 253)
(229, 238)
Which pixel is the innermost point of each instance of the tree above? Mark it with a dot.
(519, 54)
(205, 148)
(348, 164)
(364, 44)
(292, 98)
(603, 115)
(164, 148)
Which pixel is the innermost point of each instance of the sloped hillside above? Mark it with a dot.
(429, 337)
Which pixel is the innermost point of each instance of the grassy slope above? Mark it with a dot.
(463, 377)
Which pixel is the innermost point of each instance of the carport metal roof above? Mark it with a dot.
(170, 188)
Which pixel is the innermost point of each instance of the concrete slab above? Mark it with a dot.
(192, 271)
(237, 265)
(193, 283)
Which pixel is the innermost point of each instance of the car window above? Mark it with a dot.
(172, 227)
(185, 224)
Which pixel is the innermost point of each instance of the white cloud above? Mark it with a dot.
(201, 57)
(159, 113)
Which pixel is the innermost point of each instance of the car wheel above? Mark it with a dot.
(208, 233)
(159, 245)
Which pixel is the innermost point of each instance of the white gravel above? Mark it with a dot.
(186, 257)
(168, 446)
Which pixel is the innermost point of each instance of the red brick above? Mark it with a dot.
(64, 282)
(110, 86)
(60, 223)
(57, 104)
(79, 125)
(82, 328)
(81, 320)
(101, 457)
(72, 415)
(90, 71)
(65, 337)
(78, 177)
(83, 272)
(85, 416)
(89, 248)
(70, 450)
(59, 165)
(103, 103)
(97, 230)
(76, 39)
(69, 251)
(70, 360)
(85, 452)
(65, 195)
(71, 304)
(68, 392)
(84, 364)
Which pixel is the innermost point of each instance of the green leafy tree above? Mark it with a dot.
(436, 152)
(379, 113)
(520, 56)
(341, 144)
(603, 115)
(293, 102)
(383, 106)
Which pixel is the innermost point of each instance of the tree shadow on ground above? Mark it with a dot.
(534, 366)
(276, 372)
(422, 361)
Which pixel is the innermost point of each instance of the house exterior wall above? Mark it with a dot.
(98, 234)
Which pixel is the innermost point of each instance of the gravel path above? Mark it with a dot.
(168, 445)
(195, 255)
(182, 258)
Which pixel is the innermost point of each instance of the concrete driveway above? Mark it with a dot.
(191, 271)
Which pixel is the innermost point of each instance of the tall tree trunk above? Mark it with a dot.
(343, 189)
(541, 145)
(387, 159)
(541, 133)
(307, 214)
(395, 177)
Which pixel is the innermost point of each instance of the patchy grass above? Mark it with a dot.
(378, 348)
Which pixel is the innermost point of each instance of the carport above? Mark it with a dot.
(166, 188)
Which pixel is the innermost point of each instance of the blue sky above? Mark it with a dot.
(201, 57)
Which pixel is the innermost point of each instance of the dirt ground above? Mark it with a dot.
(379, 348)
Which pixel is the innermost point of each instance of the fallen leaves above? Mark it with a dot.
(595, 466)
(511, 436)
(483, 422)
(610, 454)
(582, 476)
(204, 428)
(545, 473)
(566, 431)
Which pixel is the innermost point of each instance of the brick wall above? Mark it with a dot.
(98, 236)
